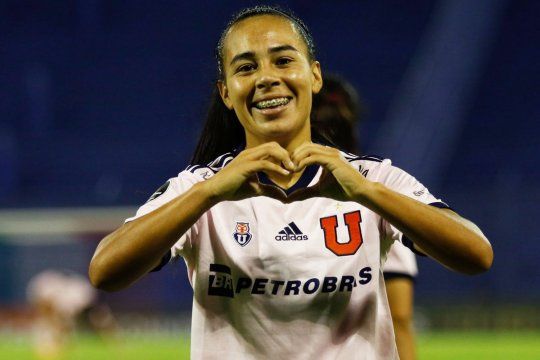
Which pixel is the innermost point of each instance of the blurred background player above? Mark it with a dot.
(338, 109)
(60, 299)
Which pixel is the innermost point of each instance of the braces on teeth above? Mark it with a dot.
(271, 103)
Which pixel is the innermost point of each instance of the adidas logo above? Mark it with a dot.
(291, 232)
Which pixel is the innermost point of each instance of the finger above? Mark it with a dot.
(272, 150)
(302, 149)
(266, 166)
(312, 159)
(308, 149)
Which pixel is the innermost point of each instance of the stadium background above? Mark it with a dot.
(102, 101)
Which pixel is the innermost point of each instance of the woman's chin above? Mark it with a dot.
(281, 131)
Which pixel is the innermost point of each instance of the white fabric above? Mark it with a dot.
(284, 303)
(401, 260)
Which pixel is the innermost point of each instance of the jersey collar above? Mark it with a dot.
(307, 176)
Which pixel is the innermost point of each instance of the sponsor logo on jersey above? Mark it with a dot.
(419, 192)
(329, 226)
(242, 234)
(205, 175)
(363, 171)
(222, 283)
(291, 232)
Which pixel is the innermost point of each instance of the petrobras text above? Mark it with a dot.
(221, 283)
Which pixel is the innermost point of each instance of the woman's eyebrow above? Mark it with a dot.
(250, 55)
(280, 48)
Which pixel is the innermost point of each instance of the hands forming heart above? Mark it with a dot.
(238, 179)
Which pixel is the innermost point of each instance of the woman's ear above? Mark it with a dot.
(224, 93)
(317, 77)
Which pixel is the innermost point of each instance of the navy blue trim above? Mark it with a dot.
(192, 168)
(308, 175)
(160, 191)
(389, 275)
(164, 261)
(352, 157)
(218, 162)
(441, 205)
(371, 158)
(215, 165)
(408, 242)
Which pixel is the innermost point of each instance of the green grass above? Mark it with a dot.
(86, 347)
(479, 345)
(432, 346)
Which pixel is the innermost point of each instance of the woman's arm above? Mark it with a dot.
(441, 233)
(137, 247)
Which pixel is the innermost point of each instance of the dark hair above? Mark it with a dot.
(258, 11)
(222, 131)
(336, 111)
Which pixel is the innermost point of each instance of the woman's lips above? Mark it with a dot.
(272, 111)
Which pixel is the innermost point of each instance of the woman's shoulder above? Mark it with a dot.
(371, 166)
(205, 171)
(353, 157)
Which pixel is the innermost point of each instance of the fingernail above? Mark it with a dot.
(286, 172)
(291, 164)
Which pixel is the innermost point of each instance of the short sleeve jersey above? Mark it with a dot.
(400, 262)
(290, 281)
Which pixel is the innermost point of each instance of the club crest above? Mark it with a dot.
(242, 234)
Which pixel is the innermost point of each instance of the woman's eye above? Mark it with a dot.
(283, 61)
(246, 67)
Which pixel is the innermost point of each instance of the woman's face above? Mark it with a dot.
(269, 79)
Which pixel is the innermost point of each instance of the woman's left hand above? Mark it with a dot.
(442, 234)
(339, 180)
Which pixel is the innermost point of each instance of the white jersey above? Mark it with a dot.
(289, 281)
(400, 262)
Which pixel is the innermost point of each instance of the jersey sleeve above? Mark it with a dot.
(404, 183)
(173, 188)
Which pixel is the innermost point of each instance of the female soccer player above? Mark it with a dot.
(283, 237)
(336, 111)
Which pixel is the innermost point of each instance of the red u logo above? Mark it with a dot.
(329, 226)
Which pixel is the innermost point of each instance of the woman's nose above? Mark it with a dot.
(267, 79)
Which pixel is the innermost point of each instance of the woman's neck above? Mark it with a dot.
(289, 143)
(285, 182)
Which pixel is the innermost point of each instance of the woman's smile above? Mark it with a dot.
(272, 106)
(269, 80)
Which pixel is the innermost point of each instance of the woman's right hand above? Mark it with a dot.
(238, 179)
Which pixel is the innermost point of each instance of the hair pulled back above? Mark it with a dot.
(222, 131)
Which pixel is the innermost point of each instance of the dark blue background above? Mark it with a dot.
(102, 101)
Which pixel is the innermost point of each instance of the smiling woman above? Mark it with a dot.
(281, 234)
(269, 80)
